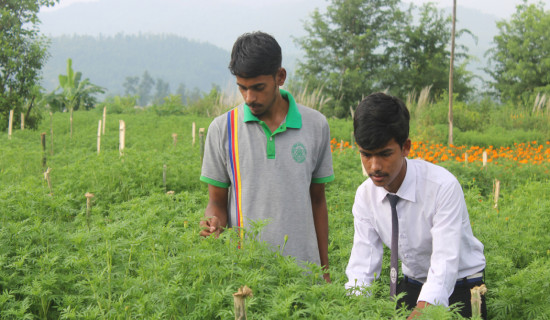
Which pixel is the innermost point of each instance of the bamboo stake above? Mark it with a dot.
(239, 301)
(496, 189)
(89, 197)
(175, 138)
(10, 124)
(99, 137)
(122, 137)
(484, 158)
(475, 300)
(201, 140)
(43, 141)
(193, 133)
(104, 116)
(466, 159)
(22, 121)
(48, 179)
(341, 145)
(51, 133)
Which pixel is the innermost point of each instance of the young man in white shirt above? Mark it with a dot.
(440, 257)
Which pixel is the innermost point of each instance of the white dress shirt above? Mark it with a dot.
(436, 243)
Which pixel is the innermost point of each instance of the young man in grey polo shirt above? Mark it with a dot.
(269, 158)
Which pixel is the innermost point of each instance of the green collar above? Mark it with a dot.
(293, 117)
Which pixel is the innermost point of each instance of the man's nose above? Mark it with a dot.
(249, 97)
(375, 163)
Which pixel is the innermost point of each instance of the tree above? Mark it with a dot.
(76, 93)
(131, 86)
(144, 89)
(22, 55)
(162, 90)
(344, 49)
(519, 62)
(182, 92)
(420, 55)
(361, 46)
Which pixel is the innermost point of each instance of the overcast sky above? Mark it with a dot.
(500, 8)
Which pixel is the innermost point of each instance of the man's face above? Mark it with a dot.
(386, 166)
(260, 93)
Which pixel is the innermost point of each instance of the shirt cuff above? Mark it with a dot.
(214, 182)
(433, 294)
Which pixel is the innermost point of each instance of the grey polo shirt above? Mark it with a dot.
(269, 173)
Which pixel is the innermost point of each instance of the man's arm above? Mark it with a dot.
(320, 219)
(216, 211)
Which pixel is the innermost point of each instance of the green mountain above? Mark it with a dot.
(108, 60)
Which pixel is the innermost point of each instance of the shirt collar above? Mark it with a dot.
(293, 118)
(407, 190)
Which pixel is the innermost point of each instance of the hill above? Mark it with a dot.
(108, 60)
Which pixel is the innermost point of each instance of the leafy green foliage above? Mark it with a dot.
(76, 93)
(138, 253)
(361, 46)
(521, 67)
(22, 54)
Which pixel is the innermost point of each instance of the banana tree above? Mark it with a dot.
(76, 92)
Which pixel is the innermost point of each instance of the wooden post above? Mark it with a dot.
(484, 158)
(99, 137)
(43, 141)
(89, 197)
(193, 133)
(496, 190)
(239, 301)
(48, 179)
(164, 177)
(51, 133)
(476, 293)
(341, 145)
(22, 121)
(122, 137)
(175, 138)
(466, 159)
(201, 141)
(10, 124)
(104, 117)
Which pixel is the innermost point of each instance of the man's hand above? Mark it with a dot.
(211, 226)
(326, 276)
(418, 310)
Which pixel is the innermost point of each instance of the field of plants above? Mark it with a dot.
(132, 251)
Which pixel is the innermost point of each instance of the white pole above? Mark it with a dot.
(122, 137)
(10, 124)
(22, 121)
(484, 158)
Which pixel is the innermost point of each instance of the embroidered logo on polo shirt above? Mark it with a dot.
(299, 152)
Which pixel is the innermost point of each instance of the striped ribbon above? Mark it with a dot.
(233, 146)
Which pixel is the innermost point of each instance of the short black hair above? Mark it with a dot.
(378, 119)
(255, 54)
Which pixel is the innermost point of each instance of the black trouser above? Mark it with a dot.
(461, 293)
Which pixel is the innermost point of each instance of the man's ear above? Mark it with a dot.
(281, 77)
(406, 147)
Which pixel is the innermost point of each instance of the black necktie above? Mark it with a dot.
(394, 268)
